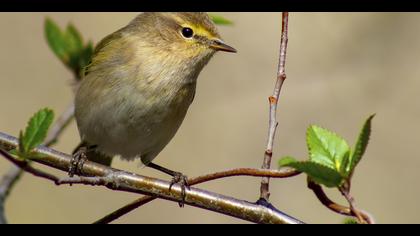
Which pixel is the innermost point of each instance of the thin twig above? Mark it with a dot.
(352, 205)
(25, 166)
(124, 210)
(6, 185)
(14, 174)
(62, 122)
(8, 181)
(281, 77)
(283, 173)
(335, 207)
(129, 182)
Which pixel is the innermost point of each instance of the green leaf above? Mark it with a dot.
(68, 46)
(284, 161)
(73, 39)
(75, 48)
(327, 148)
(56, 40)
(36, 131)
(361, 144)
(220, 20)
(14, 152)
(317, 172)
(85, 57)
(345, 163)
(350, 221)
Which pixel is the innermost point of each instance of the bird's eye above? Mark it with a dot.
(187, 32)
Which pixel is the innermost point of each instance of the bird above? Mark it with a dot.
(136, 91)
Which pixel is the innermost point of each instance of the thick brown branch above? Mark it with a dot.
(130, 182)
(283, 173)
(273, 101)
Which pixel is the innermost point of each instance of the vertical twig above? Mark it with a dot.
(281, 77)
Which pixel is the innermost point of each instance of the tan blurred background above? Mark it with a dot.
(341, 67)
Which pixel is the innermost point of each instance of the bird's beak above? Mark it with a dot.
(219, 45)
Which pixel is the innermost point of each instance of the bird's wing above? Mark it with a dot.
(101, 45)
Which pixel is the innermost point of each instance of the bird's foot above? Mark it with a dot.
(177, 178)
(182, 180)
(77, 161)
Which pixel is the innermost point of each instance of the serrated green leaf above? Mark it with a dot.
(317, 172)
(56, 40)
(220, 20)
(361, 144)
(327, 148)
(36, 131)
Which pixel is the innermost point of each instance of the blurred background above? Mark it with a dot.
(341, 67)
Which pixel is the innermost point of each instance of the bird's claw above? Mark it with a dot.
(182, 180)
(77, 161)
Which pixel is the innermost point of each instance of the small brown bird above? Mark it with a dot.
(139, 85)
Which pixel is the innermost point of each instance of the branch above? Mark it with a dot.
(6, 184)
(355, 212)
(129, 182)
(343, 210)
(281, 77)
(14, 174)
(283, 173)
(25, 166)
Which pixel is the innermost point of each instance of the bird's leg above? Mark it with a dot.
(79, 158)
(177, 177)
